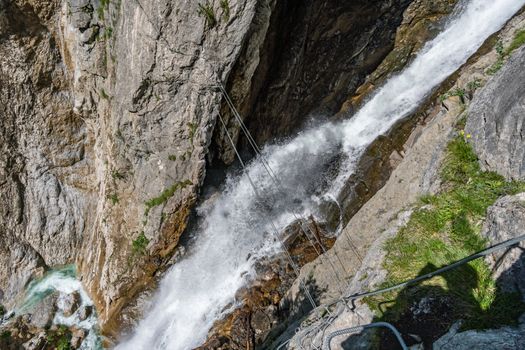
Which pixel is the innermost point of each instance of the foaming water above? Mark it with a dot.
(63, 281)
(236, 230)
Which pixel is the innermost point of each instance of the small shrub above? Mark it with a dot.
(2, 311)
(207, 11)
(455, 92)
(139, 245)
(5, 335)
(474, 85)
(172, 157)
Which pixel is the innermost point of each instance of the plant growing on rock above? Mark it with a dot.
(140, 243)
(225, 5)
(517, 41)
(207, 11)
(113, 198)
(165, 195)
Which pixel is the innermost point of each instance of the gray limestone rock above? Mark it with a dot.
(42, 314)
(506, 338)
(497, 120)
(506, 220)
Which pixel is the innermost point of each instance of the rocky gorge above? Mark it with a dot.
(113, 153)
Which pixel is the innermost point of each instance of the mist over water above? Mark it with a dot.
(236, 229)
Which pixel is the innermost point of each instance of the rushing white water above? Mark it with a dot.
(63, 281)
(236, 230)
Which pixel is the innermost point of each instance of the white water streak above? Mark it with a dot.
(235, 229)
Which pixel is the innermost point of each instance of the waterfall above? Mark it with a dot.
(235, 229)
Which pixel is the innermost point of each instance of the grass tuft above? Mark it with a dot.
(225, 5)
(165, 195)
(140, 243)
(518, 41)
(207, 11)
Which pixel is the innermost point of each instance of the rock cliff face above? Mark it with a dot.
(497, 125)
(108, 112)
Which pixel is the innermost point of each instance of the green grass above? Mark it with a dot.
(103, 94)
(225, 5)
(139, 245)
(501, 59)
(207, 11)
(454, 92)
(165, 195)
(517, 41)
(445, 228)
(193, 130)
(113, 198)
(104, 4)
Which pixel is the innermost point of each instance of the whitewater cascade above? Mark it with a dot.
(236, 228)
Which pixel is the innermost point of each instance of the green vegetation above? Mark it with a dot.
(60, 338)
(116, 175)
(193, 130)
(445, 228)
(104, 5)
(165, 195)
(474, 85)
(518, 41)
(454, 92)
(2, 310)
(225, 5)
(108, 32)
(207, 11)
(5, 335)
(172, 157)
(113, 198)
(103, 94)
(501, 59)
(139, 245)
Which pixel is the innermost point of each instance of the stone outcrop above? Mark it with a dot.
(506, 220)
(496, 120)
(314, 54)
(107, 109)
(493, 339)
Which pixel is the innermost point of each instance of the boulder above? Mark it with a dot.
(42, 314)
(505, 338)
(84, 312)
(68, 303)
(496, 120)
(36, 343)
(506, 220)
